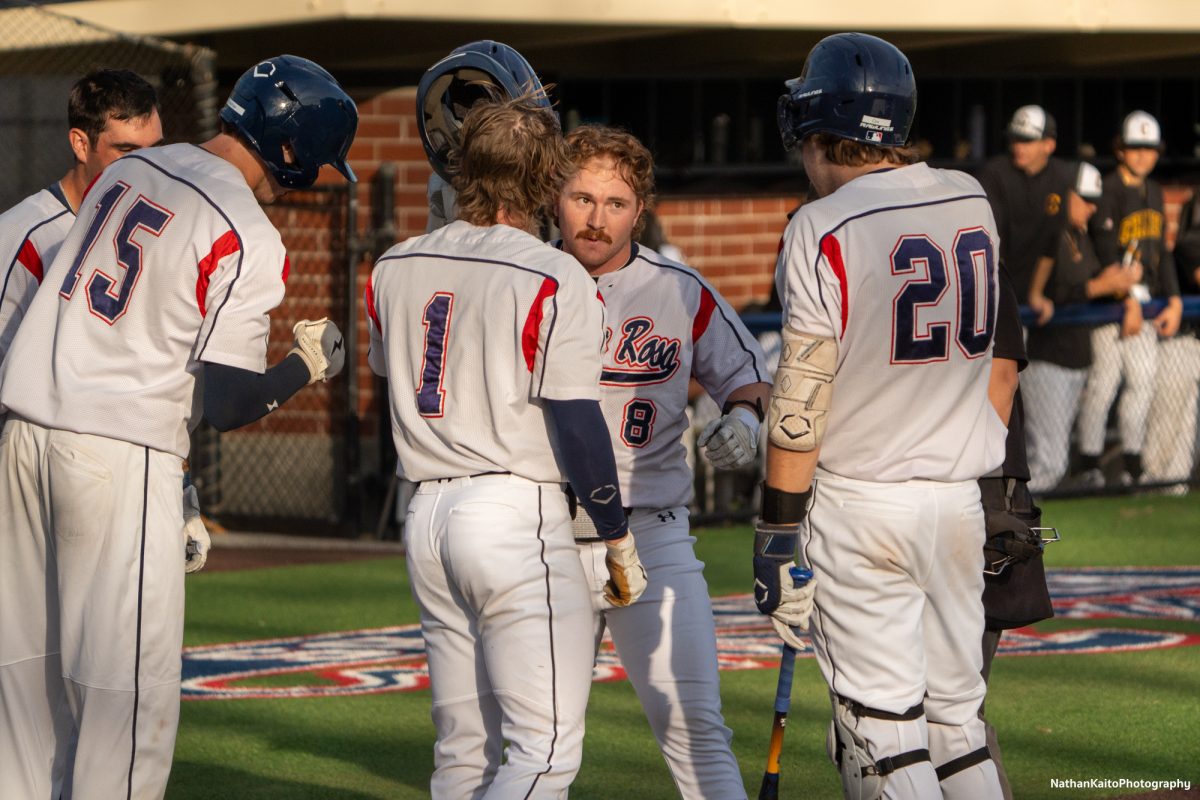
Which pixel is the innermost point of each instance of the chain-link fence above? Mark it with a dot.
(43, 53)
(1119, 413)
(297, 468)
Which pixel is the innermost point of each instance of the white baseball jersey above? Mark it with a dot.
(665, 324)
(471, 326)
(172, 262)
(30, 234)
(899, 268)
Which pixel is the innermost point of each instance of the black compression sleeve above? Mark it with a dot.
(585, 454)
(235, 397)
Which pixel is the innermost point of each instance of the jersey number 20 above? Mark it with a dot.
(975, 312)
(108, 297)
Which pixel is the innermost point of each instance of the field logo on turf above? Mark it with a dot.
(393, 659)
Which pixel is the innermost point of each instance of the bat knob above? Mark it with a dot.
(800, 575)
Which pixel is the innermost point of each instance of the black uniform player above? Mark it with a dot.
(1026, 190)
(1060, 355)
(1129, 229)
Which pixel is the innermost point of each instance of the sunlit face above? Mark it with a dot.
(118, 137)
(1139, 160)
(1031, 157)
(597, 211)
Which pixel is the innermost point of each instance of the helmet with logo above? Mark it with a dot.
(854, 86)
(293, 102)
(450, 87)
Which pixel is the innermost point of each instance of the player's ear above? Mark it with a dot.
(80, 144)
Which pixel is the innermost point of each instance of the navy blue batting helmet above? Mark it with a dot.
(450, 87)
(854, 86)
(293, 101)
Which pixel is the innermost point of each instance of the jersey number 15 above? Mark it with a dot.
(108, 297)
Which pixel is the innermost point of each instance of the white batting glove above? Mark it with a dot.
(731, 441)
(795, 607)
(319, 343)
(627, 576)
(194, 532)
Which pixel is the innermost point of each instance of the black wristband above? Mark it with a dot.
(754, 405)
(781, 508)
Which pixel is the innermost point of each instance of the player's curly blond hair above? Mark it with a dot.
(512, 157)
(633, 161)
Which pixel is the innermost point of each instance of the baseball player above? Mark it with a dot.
(1060, 355)
(879, 425)
(1026, 189)
(665, 324)
(1129, 228)
(110, 112)
(157, 301)
(490, 343)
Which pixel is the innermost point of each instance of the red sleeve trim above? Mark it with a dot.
(287, 269)
(832, 250)
(88, 188)
(224, 246)
(30, 259)
(708, 304)
(533, 322)
(369, 301)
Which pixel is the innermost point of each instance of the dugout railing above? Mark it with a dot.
(1178, 357)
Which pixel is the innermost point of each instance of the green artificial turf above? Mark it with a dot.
(1121, 715)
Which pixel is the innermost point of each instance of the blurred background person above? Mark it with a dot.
(1128, 229)
(1060, 355)
(1025, 189)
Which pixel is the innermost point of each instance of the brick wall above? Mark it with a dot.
(732, 241)
(1173, 199)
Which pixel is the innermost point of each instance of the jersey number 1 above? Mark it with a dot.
(107, 297)
(431, 397)
(975, 279)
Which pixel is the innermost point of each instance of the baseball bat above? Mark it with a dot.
(769, 790)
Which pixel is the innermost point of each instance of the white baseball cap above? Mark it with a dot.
(1087, 182)
(1030, 123)
(1140, 130)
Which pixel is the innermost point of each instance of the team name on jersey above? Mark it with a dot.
(641, 357)
(1144, 224)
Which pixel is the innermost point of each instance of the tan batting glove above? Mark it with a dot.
(319, 344)
(627, 576)
(194, 533)
(795, 607)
